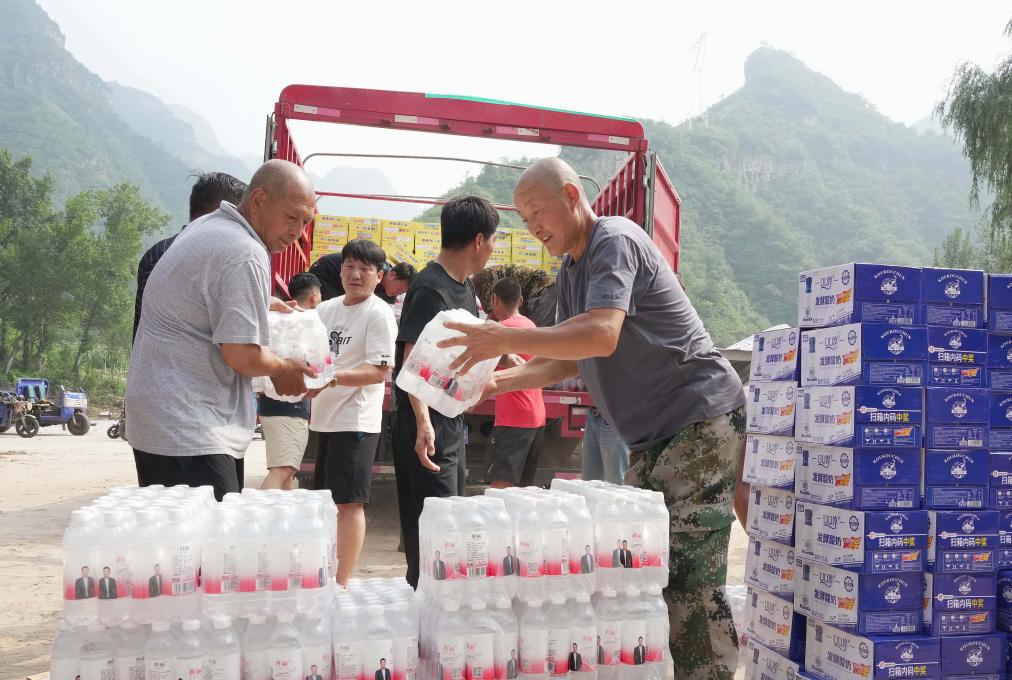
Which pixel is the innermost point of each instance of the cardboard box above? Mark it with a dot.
(999, 380)
(325, 248)
(954, 375)
(868, 604)
(1005, 539)
(1000, 421)
(769, 461)
(862, 479)
(956, 497)
(952, 286)
(955, 468)
(868, 542)
(999, 302)
(954, 316)
(762, 663)
(960, 346)
(426, 253)
(956, 418)
(964, 542)
(860, 416)
(961, 604)
(973, 654)
(364, 227)
(859, 292)
(898, 373)
(427, 230)
(775, 355)
(770, 408)
(838, 355)
(771, 514)
(999, 351)
(1003, 589)
(834, 654)
(503, 244)
(772, 621)
(771, 566)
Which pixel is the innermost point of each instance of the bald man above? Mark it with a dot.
(627, 328)
(203, 334)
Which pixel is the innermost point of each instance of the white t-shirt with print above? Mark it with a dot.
(359, 334)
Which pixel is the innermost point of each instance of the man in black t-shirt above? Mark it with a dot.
(395, 281)
(429, 447)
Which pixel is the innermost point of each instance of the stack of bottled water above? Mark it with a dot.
(512, 584)
(301, 336)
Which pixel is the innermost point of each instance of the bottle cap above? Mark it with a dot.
(632, 591)
(159, 626)
(477, 605)
(558, 599)
(609, 592)
(286, 617)
(535, 602)
(451, 606)
(221, 622)
(257, 619)
(190, 625)
(582, 597)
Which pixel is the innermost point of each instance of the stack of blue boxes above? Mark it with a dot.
(902, 497)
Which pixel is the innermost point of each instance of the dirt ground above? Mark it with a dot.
(43, 479)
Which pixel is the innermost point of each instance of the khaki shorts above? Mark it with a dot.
(286, 438)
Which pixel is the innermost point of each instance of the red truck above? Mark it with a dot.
(640, 190)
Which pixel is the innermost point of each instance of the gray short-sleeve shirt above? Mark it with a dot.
(666, 373)
(211, 287)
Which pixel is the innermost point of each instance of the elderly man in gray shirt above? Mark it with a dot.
(203, 334)
(627, 328)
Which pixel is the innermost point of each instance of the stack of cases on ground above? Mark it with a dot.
(886, 557)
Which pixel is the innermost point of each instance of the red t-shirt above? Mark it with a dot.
(524, 408)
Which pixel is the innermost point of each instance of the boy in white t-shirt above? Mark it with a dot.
(347, 416)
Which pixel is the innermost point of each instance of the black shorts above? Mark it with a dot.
(344, 463)
(514, 454)
(220, 470)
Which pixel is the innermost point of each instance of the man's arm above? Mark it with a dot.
(538, 372)
(425, 435)
(254, 360)
(360, 376)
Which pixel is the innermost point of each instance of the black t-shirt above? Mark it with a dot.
(328, 270)
(272, 407)
(432, 291)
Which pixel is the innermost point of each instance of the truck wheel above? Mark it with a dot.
(113, 431)
(27, 428)
(4, 428)
(78, 424)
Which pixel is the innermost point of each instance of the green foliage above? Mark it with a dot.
(978, 107)
(958, 252)
(66, 279)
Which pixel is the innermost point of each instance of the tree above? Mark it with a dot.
(958, 252)
(978, 107)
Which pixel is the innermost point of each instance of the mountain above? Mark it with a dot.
(351, 180)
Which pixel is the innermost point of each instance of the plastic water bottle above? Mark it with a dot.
(98, 655)
(450, 648)
(145, 558)
(555, 539)
(218, 561)
(182, 541)
(256, 649)
(499, 530)
(404, 622)
(317, 645)
(129, 641)
(506, 637)
(657, 527)
(442, 557)
(377, 645)
(283, 559)
(328, 512)
(347, 633)
(609, 631)
(609, 536)
(191, 657)
(224, 653)
(311, 534)
(80, 582)
(583, 632)
(634, 629)
(635, 521)
(533, 639)
(160, 653)
(286, 649)
(560, 637)
(113, 584)
(530, 550)
(581, 543)
(474, 540)
(65, 653)
(658, 627)
(252, 567)
(480, 643)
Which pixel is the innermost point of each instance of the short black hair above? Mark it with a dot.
(464, 218)
(302, 284)
(507, 290)
(404, 271)
(210, 189)
(365, 251)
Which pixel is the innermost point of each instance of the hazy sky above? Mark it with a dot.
(228, 60)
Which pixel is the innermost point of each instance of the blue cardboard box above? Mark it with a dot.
(1000, 421)
(957, 497)
(1000, 468)
(964, 541)
(839, 355)
(762, 663)
(999, 302)
(954, 468)
(973, 654)
(868, 604)
(862, 479)
(834, 654)
(999, 351)
(953, 316)
(770, 566)
(861, 416)
(769, 460)
(1005, 540)
(900, 373)
(962, 604)
(867, 542)
(770, 408)
(999, 380)
(771, 514)
(962, 346)
(956, 417)
(1004, 599)
(848, 293)
(772, 621)
(954, 375)
(775, 356)
(952, 286)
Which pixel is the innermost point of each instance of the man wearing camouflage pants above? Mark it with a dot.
(627, 328)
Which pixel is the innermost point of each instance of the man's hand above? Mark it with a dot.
(480, 342)
(290, 382)
(425, 445)
(279, 305)
(490, 390)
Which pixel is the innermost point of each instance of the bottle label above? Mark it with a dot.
(560, 644)
(609, 652)
(450, 664)
(190, 669)
(556, 542)
(98, 669)
(530, 555)
(507, 659)
(637, 546)
(480, 657)
(406, 658)
(316, 662)
(287, 664)
(581, 552)
(655, 539)
(634, 641)
(475, 563)
(251, 568)
(224, 666)
(533, 651)
(218, 569)
(314, 564)
(378, 659)
(129, 667)
(500, 547)
(255, 665)
(612, 546)
(79, 576)
(585, 638)
(446, 560)
(165, 669)
(657, 638)
(348, 660)
(184, 570)
(280, 565)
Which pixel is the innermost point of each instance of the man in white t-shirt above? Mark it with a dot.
(346, 417)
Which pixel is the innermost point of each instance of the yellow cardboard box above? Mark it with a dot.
(503, 244)
(335, 223)
(426, 252)
(497, 260)
(323, 247)
(427, 230)
(534, 262)
(524, 238)
(364, 227)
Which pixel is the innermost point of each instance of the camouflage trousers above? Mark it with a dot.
(695, 470)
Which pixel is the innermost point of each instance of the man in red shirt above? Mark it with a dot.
(519, 416)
